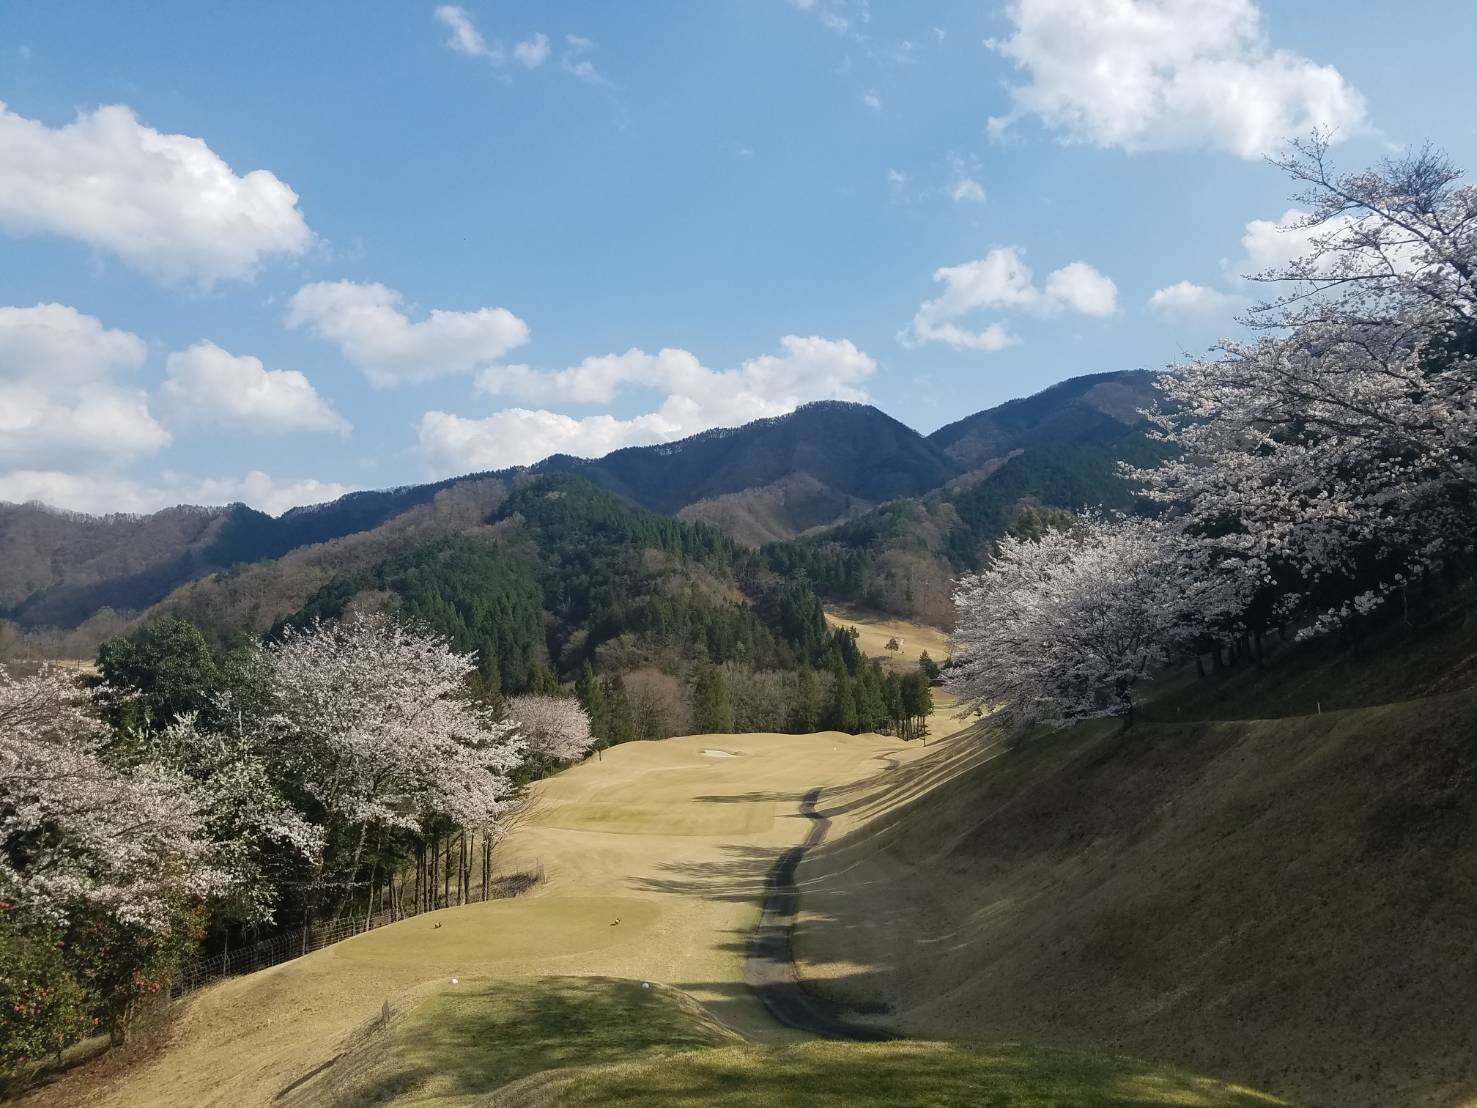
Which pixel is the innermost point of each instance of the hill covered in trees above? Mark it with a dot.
(770, 480)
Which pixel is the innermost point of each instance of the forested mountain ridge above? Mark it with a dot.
(1095, 408)
(771, 480)
(902, 557)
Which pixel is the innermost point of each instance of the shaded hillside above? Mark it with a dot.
(1081, 411)
(902, 557)
(59, 568)
(58, 563)
(1283, 900)
(249, 599)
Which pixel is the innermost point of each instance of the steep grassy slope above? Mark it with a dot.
(1285, 900)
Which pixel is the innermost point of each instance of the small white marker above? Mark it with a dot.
(454, 981)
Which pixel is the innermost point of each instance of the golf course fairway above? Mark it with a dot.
(631, 955)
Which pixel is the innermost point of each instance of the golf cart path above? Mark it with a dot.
(769, 965)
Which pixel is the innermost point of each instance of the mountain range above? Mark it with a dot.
(831, 482)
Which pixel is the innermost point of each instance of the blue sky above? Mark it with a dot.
(275, 251)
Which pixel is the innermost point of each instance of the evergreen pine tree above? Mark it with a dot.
(712, 712)
(622, 714)
(841, 710)
(805, 712)
(591, 695)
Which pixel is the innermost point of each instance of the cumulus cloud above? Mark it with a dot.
(872, 100)
(367, 323)
(1001, 281)
(208, 385)
(1080, 288)
(166, 204)
(696, 399)
(103, 493)
(58, 394)
(1157, 74)
(1185, 301)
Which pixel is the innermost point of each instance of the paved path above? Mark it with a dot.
(769, 967)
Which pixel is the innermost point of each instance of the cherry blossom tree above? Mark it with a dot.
(372, 724)
(1335, 454)
(556, 728)
(115, 858)
(1064, 627)
(79, 830)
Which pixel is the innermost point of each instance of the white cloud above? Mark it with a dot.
(1157, 74)
(967, 190)
(368, 325)
(963, 187)
(533, 52)
(1001, 281)
(576, 64)
(829, 12)
(1189, 302)
(1274, 243)
(58, 395)
(102, 493)
(54, 343)
(265, 493)
(696, 398)
(1080, 288)
(464, 37)
(166, 204)
(872, 100)
(206, 384)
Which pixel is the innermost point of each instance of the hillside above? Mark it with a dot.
(766, 482)
(901, 558)
(1271, 880)
(1083, 410)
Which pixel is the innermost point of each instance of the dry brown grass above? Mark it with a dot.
(1286, 902)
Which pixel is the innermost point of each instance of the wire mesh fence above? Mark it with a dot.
(199, 972)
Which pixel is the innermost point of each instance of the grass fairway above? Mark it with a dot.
(873, 632)
(658, 858)
(462, 1042)
(885, 1075)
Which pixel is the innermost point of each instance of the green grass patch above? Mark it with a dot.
(887, 1075)
(468, 1039)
